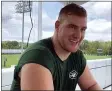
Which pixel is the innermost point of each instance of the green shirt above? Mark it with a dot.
(65, 73)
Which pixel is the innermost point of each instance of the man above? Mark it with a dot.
(56, 63)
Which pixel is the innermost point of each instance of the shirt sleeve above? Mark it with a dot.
(38, 56)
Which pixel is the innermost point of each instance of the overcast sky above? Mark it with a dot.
(99, 21)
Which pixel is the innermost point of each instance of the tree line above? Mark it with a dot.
(91, 47)
(88, 47)
(13, 45)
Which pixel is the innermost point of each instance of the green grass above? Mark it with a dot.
(12, 59)
(91, 57)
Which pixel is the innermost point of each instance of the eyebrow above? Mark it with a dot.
(78, 26)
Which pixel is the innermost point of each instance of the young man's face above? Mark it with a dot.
(71, 32)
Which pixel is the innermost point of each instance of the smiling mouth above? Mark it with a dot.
(74, 41)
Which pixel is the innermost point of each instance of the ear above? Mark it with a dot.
(57, 23)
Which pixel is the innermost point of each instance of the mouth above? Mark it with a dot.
(74, 41)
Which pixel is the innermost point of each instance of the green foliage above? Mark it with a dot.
(84, 45)
(10, 45)
(13, 45)
(90, 47)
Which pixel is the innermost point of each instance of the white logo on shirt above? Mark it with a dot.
(73, 74)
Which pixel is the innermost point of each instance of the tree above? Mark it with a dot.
(110, 51)
(84, 46)
(10, 45)
(14, 43)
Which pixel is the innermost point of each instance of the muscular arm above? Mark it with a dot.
(35, 77)
(87, 81)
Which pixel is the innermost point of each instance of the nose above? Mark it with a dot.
(77, 34)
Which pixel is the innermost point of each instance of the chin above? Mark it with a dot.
(72, 49)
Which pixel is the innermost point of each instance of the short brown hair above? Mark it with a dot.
(73, 9)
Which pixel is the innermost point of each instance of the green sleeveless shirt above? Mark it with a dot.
(65, 73)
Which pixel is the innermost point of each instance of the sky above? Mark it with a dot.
(99, 21)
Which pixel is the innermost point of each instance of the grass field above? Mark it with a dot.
(91, 57)
(12, 59)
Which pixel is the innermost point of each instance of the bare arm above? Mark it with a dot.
(87, 81)
(35, 77)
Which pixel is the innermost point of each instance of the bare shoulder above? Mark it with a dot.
(35, 77)
(86, 79)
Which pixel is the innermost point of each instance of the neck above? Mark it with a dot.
(62, 54)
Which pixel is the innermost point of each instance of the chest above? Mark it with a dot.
(66, 75)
